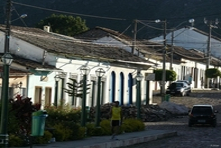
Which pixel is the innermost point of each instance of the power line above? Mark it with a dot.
(85, 15)
(19, 16)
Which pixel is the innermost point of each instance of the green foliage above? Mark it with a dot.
(15, 141)
(75, 130)
(43, 139)
(170, 75)
(63, 24)
(105, 125)
(98, 131)
(65, 129)
(20, 117)
(81, 133)
(61, 132)
(94, 131)
(90, 129)
(132, 125)
(212, 73)
(60, 114)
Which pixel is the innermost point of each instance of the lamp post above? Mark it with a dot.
(85, 71)
(139, 78)
(99, 72)
(57, 78)
(6, 59)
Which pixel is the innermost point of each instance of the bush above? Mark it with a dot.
(90, 129)
(105, 125)
(94, 131)
(98, 131)
(132, 125)
(74, 130)
(15, 141)
(62, 114)
(81, 133)
(59, 132)
(43, 139)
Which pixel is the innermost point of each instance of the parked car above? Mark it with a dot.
(202, 114)
(179, 88)
(185, 81)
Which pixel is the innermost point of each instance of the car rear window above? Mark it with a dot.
(174, 85)
(202, 110)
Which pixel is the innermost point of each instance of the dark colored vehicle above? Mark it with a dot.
(202, 114)
(185, 81)
(179, 88)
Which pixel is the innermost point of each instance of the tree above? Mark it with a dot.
(213, 73)
(170, 75)
(63, 24)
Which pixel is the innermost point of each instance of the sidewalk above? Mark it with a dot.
(105, 141)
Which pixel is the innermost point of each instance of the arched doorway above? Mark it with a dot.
(121, 90)
(130, 86)
(112, 86)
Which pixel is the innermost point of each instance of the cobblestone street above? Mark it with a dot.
(188, 137)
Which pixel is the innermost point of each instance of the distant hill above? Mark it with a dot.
(100, 12)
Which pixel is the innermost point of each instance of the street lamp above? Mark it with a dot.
(57, 78)
(139, 78)
(172, 40)
(85, 71)
(99, 72)
(20, 17)
(7, 60)
(164, 50)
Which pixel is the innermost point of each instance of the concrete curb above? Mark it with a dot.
(131, 141)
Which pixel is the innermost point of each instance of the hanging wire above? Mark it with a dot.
(22, 20)
(85, 15)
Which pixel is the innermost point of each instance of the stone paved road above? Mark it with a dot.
(188, 137)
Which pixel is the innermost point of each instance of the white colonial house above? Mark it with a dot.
(57, 55)
(192, 38)
(185, 62)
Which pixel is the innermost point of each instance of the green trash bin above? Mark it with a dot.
(167, 98)
(38, 123)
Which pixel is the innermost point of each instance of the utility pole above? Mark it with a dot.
(172, 50)
(135, 36)
(210, 25)
(164, 62)
(209, 45)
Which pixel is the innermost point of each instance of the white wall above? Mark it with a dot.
(190, 39)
